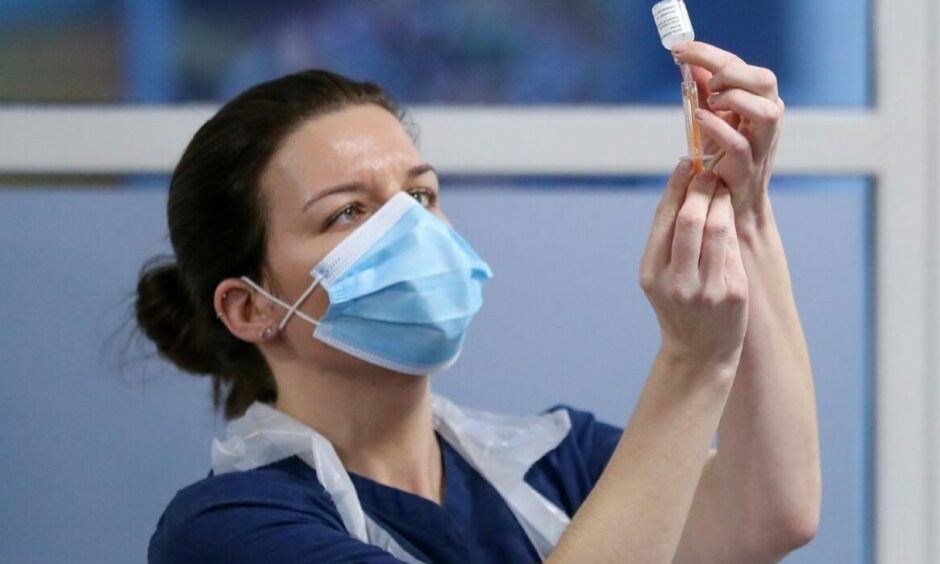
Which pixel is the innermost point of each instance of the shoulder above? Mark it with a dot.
(214, 518)
(568, 473)
(286, 483)
(589, 439)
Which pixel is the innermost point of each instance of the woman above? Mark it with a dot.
(303, 206)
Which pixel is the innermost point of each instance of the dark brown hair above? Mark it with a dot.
(216, 218)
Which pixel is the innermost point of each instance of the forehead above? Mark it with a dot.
(342, 145)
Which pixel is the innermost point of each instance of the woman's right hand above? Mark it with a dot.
(692, 272)
(693, 275)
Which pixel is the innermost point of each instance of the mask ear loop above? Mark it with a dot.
(291, 309)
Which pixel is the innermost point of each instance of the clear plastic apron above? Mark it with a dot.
(501, 448)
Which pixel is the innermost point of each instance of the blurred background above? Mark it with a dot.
(421, 51)
(98, 435)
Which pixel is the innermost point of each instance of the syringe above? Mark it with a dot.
(674, 25)
(693, 133)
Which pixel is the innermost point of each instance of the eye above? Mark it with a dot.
(424, 196)
(349, 214)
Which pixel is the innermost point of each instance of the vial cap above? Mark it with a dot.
(673, 22)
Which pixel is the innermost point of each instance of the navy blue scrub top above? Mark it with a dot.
(281, 513)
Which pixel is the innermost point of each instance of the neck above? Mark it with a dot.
(379, 422)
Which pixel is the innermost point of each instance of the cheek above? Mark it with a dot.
(318, 301)
(291, 286)
(290, 270)
(317, 304)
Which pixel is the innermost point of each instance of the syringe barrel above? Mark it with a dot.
(686, 70)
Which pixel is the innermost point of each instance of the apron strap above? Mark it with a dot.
(502, 449)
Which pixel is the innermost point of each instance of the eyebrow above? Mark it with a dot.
(349, 187)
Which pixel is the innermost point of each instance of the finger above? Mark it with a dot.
(762, 115)
(701, 77)
(750, 106)
(690, 224)
(735, 275)
(657, 253)
(715, 244)
(703, 55)
(758, 80)
(731, 141)
(734, 120)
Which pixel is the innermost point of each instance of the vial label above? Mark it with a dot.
(673, 22)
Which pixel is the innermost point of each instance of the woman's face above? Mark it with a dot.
(325, 180)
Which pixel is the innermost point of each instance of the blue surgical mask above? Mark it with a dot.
(403, 288)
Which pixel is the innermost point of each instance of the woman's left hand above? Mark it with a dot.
(741, 115)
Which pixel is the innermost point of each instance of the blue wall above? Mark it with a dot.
(93, 450)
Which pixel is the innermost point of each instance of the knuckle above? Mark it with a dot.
(647, 281)
(681, 293)
(772, 113)
(737, 294)
(767, 78)
(690, 222)
(717, 230)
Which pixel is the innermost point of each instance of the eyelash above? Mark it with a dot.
(427, 192)
(431, 195)
(346, 209)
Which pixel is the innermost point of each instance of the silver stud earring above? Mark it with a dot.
(268, 332)
(218, 314)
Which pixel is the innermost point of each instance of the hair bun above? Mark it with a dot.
(167, 316)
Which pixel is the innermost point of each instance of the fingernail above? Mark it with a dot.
(700, 115)
(712, 83)
(712, 99)
(679, 49)
(685, 167)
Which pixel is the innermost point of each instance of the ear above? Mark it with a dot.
(248, 315)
